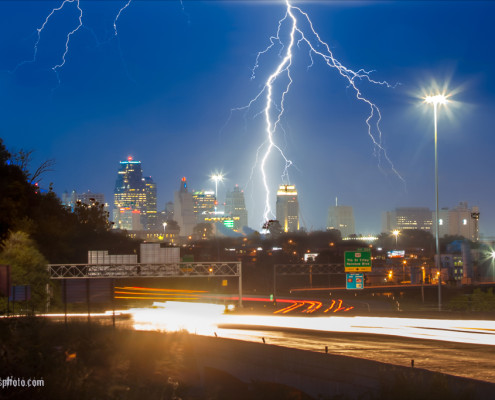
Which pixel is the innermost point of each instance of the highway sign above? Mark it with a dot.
(357, 261)
(354, 281)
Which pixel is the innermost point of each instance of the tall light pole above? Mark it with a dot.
(216, 178)
(436, 101)
(396, 234)
(492, 256)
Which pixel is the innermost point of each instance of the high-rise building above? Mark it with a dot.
(184, 209)
(403, 218)
(151, 218)
(235, 206)
(459, 221)
(89, 198)
(342, 219)
(129, 195)
(204, 202)
(288, 208)
(69, 200)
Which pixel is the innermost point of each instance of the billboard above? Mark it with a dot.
(396, 253)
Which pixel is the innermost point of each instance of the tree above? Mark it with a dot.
(60, 235)
(93, 216)
(23, 158)
(172, 227)
(274, 227)
(203, 231)
(28, 266)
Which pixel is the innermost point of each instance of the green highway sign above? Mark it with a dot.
(357, 261)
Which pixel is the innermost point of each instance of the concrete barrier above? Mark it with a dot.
(320, 374)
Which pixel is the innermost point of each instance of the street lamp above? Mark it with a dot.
(437, 100)
(492, 256)
(216, 178)
(396, 234)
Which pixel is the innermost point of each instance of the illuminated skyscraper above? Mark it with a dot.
(129, 195)
(204, 202)
(288, 208)
(151, 219)
(184, 209)
(235, 206)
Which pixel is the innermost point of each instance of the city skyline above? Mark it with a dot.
(147, 92)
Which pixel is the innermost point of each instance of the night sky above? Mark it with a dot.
(162, 91)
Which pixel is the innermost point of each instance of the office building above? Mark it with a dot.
(151, 217)
(287, 208)
(129, 196)
(403, 218)
(184, 209)
(204, 202)
(235, 206)
(89, 198)
(342, 219)
(459, 221)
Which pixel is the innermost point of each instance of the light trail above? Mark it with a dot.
(317, 47)
(208, 319)
(142, 293)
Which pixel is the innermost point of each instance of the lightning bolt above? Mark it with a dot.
(69, 35)
(40, 30)
(118, 16)
(273, 110)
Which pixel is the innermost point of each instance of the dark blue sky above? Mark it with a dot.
(162, 91)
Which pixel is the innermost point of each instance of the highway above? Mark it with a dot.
(458, 347)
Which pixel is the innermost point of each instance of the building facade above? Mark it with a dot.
(88, 198)
(404, 218)
(129, 196)
(287, 208)
(204, 202)
(235, 206)
(459, 221)
(342, 219)
(184, 209)
(151, 215)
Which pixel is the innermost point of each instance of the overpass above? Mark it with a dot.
(111, 272)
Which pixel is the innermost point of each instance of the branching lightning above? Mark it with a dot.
(273, 111)
(40, 30)
(69, 35)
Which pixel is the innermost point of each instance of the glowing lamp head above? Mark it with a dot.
(217, 177)
(395, 233)
(437, 99)
(492, 254)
